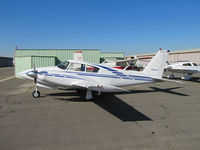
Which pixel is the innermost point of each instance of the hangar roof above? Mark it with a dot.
(63, 49)
(196, 50)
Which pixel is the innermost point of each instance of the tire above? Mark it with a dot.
(36, 94)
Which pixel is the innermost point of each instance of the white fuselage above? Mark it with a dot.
(56, 76)
(184, 67)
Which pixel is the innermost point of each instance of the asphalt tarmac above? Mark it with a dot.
(157, 116)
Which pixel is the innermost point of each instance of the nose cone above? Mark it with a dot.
(31, 74)
(23, 75)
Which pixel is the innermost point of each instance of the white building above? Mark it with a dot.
(192, 55)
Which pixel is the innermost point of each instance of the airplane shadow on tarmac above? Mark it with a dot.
(194, 79)
(120, 109)
(115, 106)
(156, 89)
(111, 104)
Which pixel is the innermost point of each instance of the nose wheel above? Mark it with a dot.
(36, 94)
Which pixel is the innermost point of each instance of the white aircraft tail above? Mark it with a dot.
(156, 67)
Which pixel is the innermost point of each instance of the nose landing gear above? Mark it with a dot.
(36, 94)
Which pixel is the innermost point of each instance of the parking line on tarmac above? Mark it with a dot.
(11, 77)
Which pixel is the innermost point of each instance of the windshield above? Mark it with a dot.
(63, 65)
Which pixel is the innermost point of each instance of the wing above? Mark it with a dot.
(84, 84)
(95, 86)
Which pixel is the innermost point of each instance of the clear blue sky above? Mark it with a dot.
(130, 26)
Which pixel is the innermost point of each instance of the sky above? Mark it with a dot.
(130, 26)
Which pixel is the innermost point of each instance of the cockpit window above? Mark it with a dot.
(91, 69)
(63, 65)
(194, 64)
(187, 64)
(82, 67)
(76, 67)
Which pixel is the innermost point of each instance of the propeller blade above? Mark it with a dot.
(36, 73)
(35, 80)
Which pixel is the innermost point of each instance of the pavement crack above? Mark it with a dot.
(28, 90)
(10, 109)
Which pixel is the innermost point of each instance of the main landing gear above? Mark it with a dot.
(87, 94)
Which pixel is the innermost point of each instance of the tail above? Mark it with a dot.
(156, 67)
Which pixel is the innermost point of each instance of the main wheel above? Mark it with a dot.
(36, 94)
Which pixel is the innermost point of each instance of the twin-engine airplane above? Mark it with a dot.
(89, 77)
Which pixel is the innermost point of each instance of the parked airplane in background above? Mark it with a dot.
(88, 77)
(131, 64)
(186, 68)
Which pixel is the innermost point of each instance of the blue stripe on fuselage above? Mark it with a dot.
(59, 75)
(118, 75)
(130, 77)
(92, 74)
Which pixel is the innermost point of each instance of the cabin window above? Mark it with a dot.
(63, 65)
(194, 64)
(187, 64)
(76, 67)
(91, 69)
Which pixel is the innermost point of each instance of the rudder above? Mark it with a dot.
(156, 67)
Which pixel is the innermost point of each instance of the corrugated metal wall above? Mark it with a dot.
(25, 63)
(22, 63)
(91, 56)
(61, 54)
(112, 55)
(42, 61)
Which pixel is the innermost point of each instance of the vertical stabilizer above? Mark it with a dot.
(156, 67)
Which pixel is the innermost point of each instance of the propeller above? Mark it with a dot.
(33, 74)
(35, 77)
